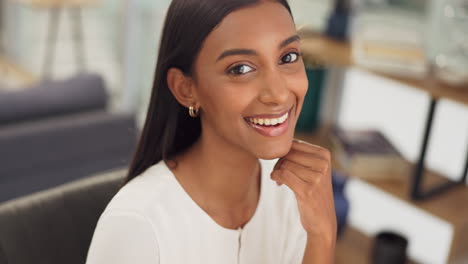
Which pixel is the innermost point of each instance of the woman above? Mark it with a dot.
(228, 89)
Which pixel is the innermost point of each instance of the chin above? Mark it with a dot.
(273, 151)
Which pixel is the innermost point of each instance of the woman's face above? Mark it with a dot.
(249, 77)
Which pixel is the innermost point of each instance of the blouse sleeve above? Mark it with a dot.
(123, 237)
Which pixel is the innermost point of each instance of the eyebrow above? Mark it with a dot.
(233, 52)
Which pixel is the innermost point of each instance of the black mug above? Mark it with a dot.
(389, 248)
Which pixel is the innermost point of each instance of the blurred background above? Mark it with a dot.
(388, 96)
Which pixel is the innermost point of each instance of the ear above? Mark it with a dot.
(181, 87)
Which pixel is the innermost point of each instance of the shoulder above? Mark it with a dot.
(143, 192)
(126, 232)
(123, 237)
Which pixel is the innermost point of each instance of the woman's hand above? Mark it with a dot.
(306, 169)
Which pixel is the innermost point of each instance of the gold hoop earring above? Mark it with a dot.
(193, 112)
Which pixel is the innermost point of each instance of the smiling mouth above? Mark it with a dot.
(269, 121)
(270, 125)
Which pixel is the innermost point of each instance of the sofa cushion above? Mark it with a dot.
(51, 98)
(45, 153)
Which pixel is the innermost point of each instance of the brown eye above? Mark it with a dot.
(290, 58)
(240, 69)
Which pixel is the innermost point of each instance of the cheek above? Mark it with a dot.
(299, 84)
(225, 103)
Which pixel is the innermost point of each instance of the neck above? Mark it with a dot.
(217, 172)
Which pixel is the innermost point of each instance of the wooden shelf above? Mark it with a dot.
(450, 206)
(332, 52)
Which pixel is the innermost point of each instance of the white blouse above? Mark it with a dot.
(153, 220)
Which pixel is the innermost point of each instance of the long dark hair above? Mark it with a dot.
(168, 129)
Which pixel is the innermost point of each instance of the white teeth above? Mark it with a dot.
(269, 121)
(281, 120)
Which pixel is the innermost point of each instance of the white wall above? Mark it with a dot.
(144, 21)
(26, 38)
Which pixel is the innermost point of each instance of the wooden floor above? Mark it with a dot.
(353, 247)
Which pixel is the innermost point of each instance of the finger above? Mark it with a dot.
(296, 184)
(278, 163)
(306, 174)
(310, 148)
(308, 160)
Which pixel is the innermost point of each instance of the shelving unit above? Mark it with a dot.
(333, 52)
(449, 206)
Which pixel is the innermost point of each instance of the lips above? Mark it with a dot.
(271, 125)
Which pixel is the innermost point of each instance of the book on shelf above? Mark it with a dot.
(368, 154)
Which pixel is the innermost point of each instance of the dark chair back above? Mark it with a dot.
(55, 226)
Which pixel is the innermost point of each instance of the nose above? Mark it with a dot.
(274, 89)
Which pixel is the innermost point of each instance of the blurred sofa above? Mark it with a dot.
(58, 131)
